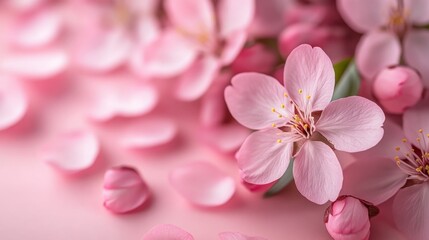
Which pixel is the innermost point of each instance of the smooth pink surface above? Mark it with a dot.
(41, 204)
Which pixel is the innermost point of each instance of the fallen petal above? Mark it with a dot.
(237, 236)
(13, 102)
(203, 184)
(167, 232)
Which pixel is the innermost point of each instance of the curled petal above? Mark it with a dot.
(352, 124)
(237, 236)
(264, 156)
(317, 172)
(37, 65)
(124, 190)
(150, 133)
(252, 98)
(167, 232)
(411, 211)
(72, 151)
(309, 78)
(203, 184)
(375, 51)
(13, 102)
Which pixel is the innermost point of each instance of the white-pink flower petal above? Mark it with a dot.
(364, 179)
(309, 78)
(203, 184)
(352, 124)
(416, 50)
(149, 133)
(317, 172)
(167, 232)
(197, 79)
(252, 98)
(264, 156)
(411, 211)
(13, 102)
(72, 151)
(417, 10)
(234, 15)
(365, 15)
(36, 65)
(375, 51)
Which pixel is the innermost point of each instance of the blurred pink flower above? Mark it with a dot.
(348, 219)
(167, 231)
(290, 116)
(388, 24)
(404, 89)
(124, 189)
(217, 36)
(256, 58)
(407, 181)
(13, 102)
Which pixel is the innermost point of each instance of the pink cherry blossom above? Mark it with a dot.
(13, 102)
(389, 28)
(215, 32)
(405, 174)
(292, 121)
(124, 189)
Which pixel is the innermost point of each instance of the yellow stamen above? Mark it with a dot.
(397, 148)
(286, 95)
(273, 125)
(419, 169)
(279, 141)
(282, 106)
(308, 97)
(280, 116)
(300, 91)
(273, 110)
(404, 140)
(420, 130)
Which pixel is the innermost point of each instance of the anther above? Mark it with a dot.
(419, 169)
(300, 91)
(279, 141)
(282, 106)
(308, 97)
(280, 116)
(397, 148)
(420, 130)
(285, 94)
(404, 140)
(273, 110)
(273, 125)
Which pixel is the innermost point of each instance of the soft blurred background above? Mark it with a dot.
(86, 85)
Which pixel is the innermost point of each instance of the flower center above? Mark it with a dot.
(398, 18)
(298, 122)
(414, 162)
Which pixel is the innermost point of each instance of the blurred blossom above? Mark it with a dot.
(13, 102)
(318, 25)
(267, 20)
(348, 219)
(216, 32)
(289, 124)
(124, 190)
(257, 58)
(393, 30)
(398, 88)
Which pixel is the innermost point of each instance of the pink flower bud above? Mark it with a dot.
(398, 88)
(348, 219)
(124, 189)
(256, 58)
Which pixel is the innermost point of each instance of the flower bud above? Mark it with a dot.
(398, 88)
(348, 219)
(124, 190)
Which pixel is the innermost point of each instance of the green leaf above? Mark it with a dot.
(348, 82)
(282, 182)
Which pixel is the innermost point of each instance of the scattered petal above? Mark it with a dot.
(167, 232)
(203, 184)
(150, 133)
(13, 102)
(226, 138)
(124, 189)
(72, 151)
